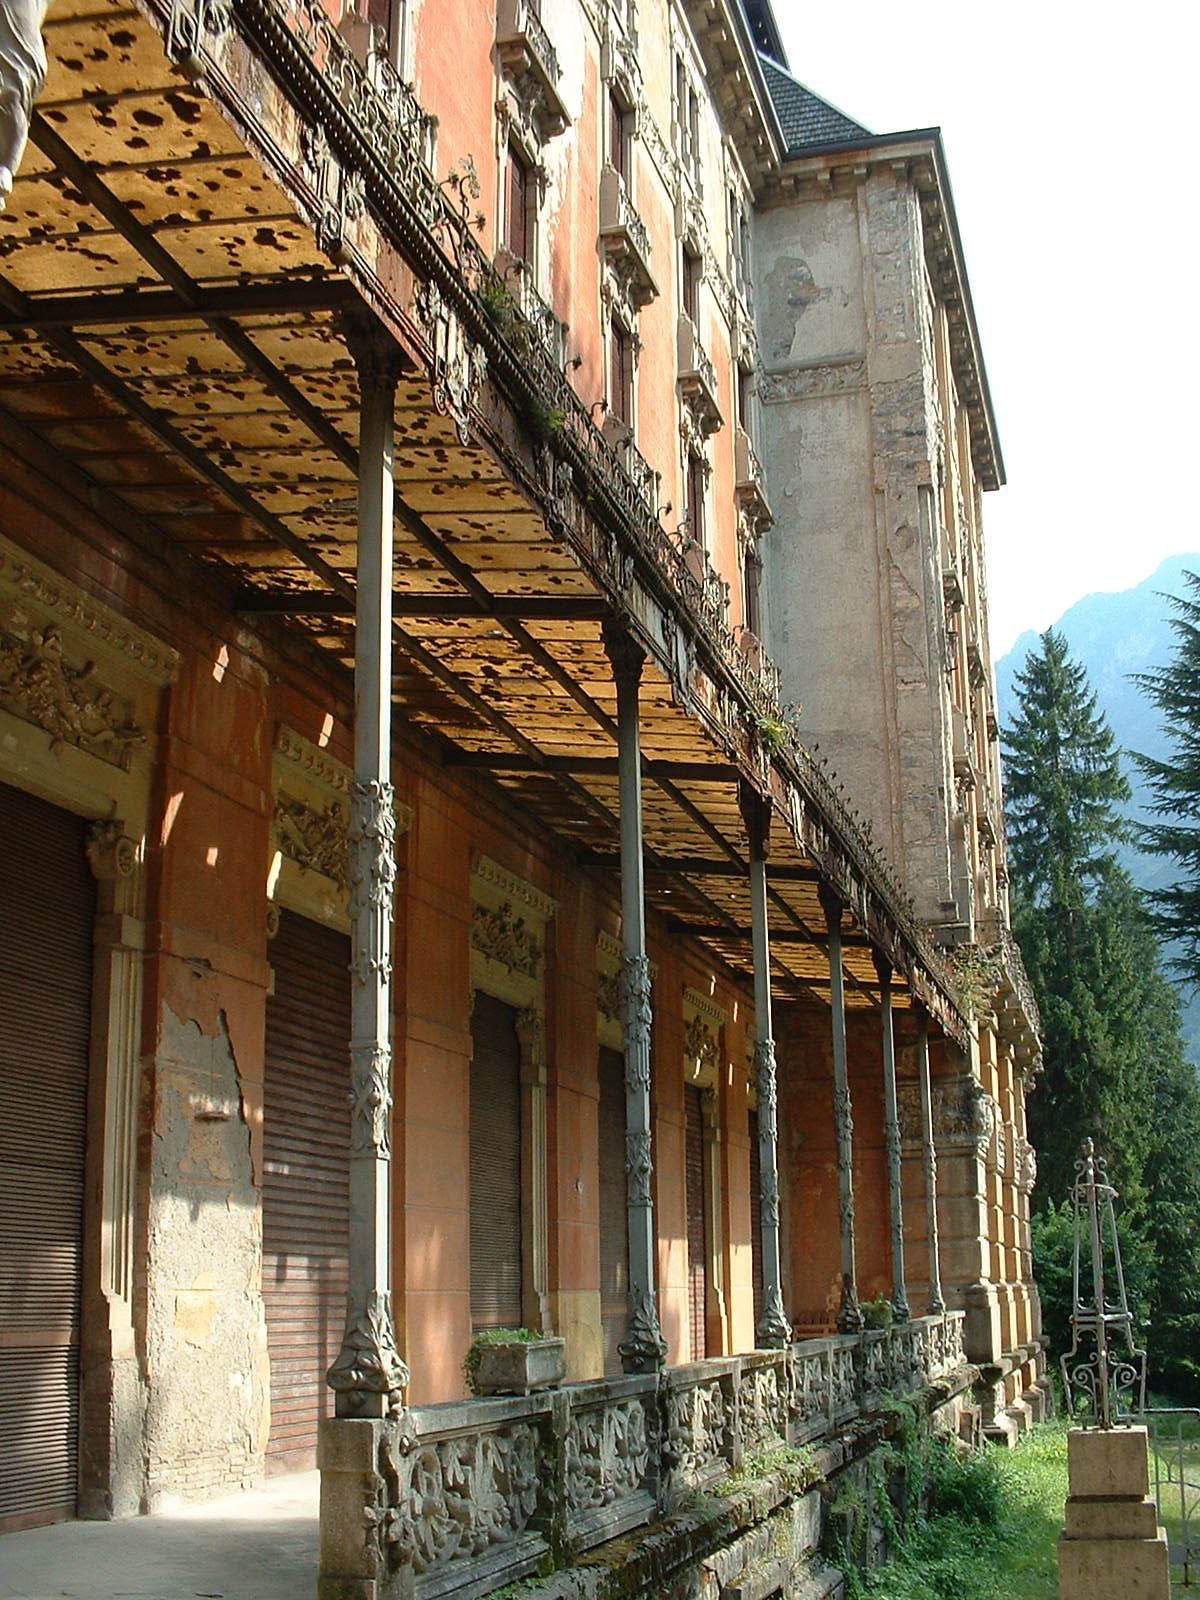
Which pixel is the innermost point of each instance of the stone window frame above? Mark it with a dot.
(704, 1023)
(509, 942)
(77, 669)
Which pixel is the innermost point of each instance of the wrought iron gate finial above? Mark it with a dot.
(1106, 1380)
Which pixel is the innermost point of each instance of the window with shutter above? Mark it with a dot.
(306, 1178)
(46, 931)
(696, 1221)
(495, 1133)
(614, 1217)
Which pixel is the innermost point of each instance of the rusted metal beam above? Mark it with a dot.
(134, 308)
(592, 767)
(707, 867)
(444, 607)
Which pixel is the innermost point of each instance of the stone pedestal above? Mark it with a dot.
(1111, 1547)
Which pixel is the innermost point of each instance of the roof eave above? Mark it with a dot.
(716, 24)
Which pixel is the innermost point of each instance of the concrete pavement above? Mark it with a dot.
(261, 1545)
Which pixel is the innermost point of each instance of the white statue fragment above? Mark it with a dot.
(22, 73)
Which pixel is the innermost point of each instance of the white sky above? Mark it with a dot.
(1069, 134)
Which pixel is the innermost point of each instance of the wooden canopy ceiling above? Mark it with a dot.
(169, 326)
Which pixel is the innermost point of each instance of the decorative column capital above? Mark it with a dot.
(831, 905)
(625, 654)
(756, 812)
(883, 968)
(378, 357)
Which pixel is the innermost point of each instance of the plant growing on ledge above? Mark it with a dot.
(512, 1361)
(976, 975)
(545, 422)
(773, 734)
(498, 302)
(877, 1313)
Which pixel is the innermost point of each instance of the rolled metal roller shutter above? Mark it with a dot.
(306, 1203)
(696, 1208)
(46, 930)
(495, 1166)
(614, 1214)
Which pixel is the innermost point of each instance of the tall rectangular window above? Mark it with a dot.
(617, 142)
(695, 494)
(518, 206)
(689, 287)
(620, 374)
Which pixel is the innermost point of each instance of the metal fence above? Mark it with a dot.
(1174, 1434)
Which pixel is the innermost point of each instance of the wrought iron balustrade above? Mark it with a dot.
(477, 1494)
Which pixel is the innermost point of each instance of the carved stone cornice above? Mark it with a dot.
(493, 884)
(297, 753)
(699, 1004)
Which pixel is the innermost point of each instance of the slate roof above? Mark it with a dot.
(806, 119)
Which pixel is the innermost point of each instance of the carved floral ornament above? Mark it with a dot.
(73, 668)
(508, 919)
(501, 935)
(701, 1049)
(313, 793)
(315, 838)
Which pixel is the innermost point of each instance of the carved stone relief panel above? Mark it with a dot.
(309, 869)
(703, 1020)
(964, 1116)
(608, 991)
(509, 919)
(77, 676)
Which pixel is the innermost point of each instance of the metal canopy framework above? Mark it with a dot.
(170, 327)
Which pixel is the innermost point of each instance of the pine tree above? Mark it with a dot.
(1175, 785)
(1063, 783)
(1062, 780)
(1114, 1062)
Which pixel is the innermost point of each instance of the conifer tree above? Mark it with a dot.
(1175, 785)
(1063, 783)
(1114, 1062)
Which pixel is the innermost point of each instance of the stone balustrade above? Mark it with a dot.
(466, 1497)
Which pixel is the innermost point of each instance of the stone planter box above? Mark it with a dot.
(520, 1368)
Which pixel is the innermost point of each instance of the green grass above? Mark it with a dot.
(992, 1531)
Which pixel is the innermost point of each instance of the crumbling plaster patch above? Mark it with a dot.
(206, 1335)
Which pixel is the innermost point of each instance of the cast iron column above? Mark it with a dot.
(368, 1376)
(849, 1318)
(891, 1136)
(774, 1331)
(643, 1348)
(929, 1161)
